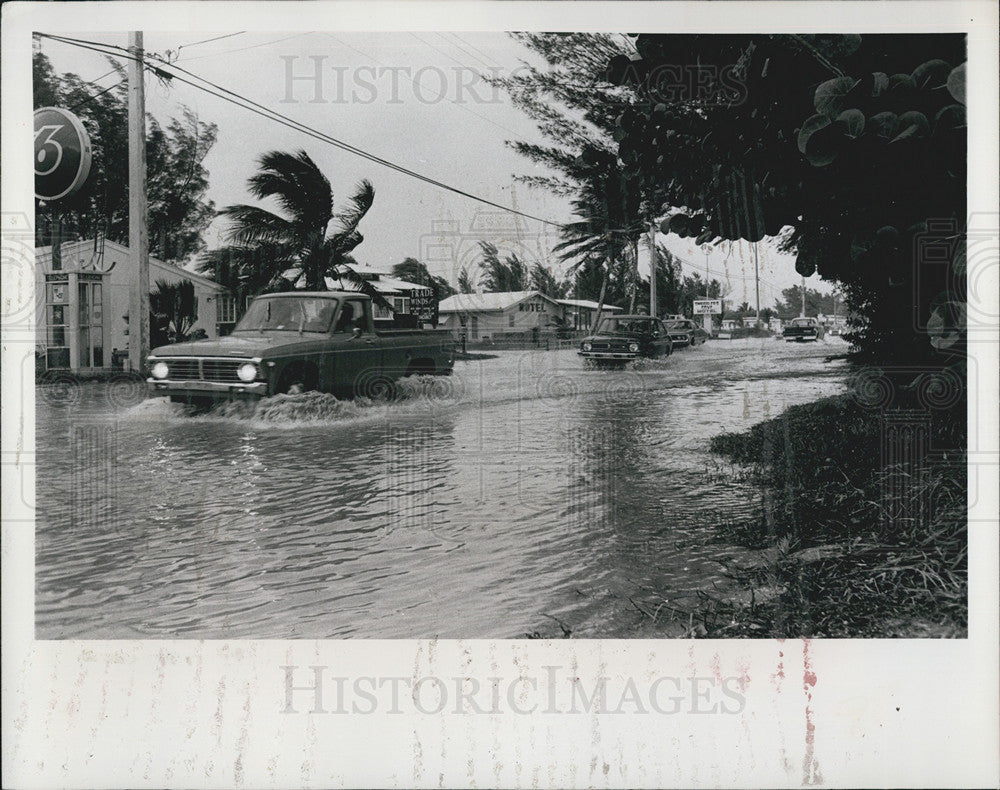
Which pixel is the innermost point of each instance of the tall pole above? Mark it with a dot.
(706, 319)
(138, 233)
(803, 296)
(756, 277)
(653, 311)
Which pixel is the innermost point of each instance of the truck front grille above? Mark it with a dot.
(221, 371)
(184, 369)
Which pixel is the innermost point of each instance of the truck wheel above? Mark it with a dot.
(296, 379)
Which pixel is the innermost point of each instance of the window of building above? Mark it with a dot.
(510, 320)
(225, 309)
(57, 320)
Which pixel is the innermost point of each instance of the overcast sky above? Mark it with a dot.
(416, 99)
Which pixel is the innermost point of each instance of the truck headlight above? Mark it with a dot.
(247, 372)
(160, 370)
(586, 346)
(633, 347)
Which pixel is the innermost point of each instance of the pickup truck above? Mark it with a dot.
(296, 342)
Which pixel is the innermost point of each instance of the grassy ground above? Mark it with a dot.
(849, 542)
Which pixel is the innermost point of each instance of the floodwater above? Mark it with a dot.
(526, 494)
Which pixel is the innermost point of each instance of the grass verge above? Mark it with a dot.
(861, 530)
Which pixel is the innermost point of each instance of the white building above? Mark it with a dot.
(581, 313)
(496, 315)
(81, 307)
(405, 297)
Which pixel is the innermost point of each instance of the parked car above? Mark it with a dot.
(621, 338)
(300, 341)
(685, 332)
(802, 329)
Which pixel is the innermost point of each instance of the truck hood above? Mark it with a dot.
(242, 345)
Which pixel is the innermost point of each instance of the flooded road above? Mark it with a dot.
(525, 494)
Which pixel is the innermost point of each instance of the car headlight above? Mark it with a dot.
(586, 346)
(160, 370)
(247, 372)
(633, 347)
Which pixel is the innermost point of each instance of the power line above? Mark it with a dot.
(463, 49)
(96, 95)
(243, 49)
(207, 40)
(417, 83)
(248, 104)
(106, 74)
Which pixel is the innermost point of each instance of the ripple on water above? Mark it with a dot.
(525, 486)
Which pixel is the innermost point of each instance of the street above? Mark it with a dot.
(525, 494)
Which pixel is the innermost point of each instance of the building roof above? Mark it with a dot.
(384, 284)
(80, 250)
(586, 303)
(488, 302)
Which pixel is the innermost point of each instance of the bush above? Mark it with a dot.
(859, 548)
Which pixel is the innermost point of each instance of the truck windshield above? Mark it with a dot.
(289, 313)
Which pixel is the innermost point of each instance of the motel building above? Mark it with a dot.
(523, 315)
(514, 315)
(82, 303)
(582, 313)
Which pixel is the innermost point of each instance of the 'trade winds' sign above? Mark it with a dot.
(62, 153)
(707, 306)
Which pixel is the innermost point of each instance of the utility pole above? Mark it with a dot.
(756, 276)
(803, 296)
(706, 319)
(138, 231)
(652, 270)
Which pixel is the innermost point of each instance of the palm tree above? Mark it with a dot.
(174, 310)
(465, 283)
(500, 276)
(611, 223)
(298, 248)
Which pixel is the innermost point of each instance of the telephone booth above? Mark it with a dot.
(76, 321)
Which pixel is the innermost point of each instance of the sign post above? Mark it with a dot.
(707, 308)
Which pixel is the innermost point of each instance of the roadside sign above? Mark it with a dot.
(423, 304)
(62, 153)
(707, 306)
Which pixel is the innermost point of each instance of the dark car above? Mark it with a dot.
(802, 329)
(685, 332)
(621, 338)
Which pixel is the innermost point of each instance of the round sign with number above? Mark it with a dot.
(62, 153)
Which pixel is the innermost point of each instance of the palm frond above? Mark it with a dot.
(298, 185)
(255, 225)
(357, 206)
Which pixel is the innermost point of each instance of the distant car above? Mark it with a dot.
(802, 329)
(621, 338)
(685, 332)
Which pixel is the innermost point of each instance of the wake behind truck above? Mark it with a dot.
(297, 342)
